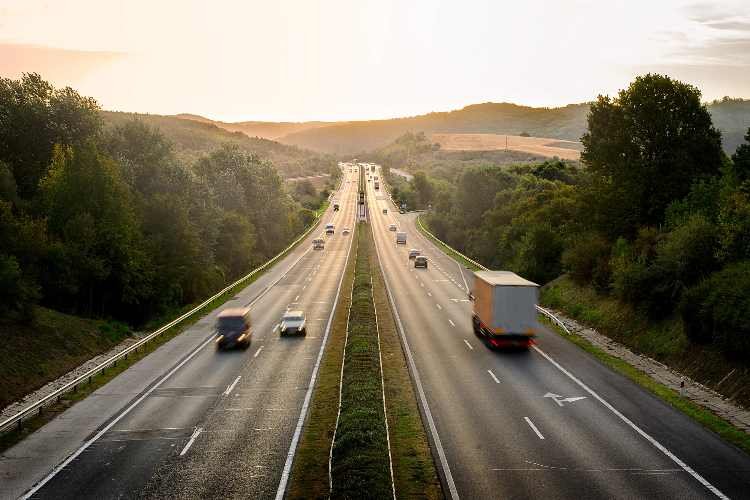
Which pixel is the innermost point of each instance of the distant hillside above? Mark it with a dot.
(265, 130)
(196, 137)
(567, 123)
(731, 116)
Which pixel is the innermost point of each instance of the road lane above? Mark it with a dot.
(227, 436)
(493, 452)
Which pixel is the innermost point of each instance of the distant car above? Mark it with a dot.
(293, 323)
(336, 206)
(413, 253)
(330, 228)
(420, 261)
(233, 328)
(392, 227)
(401, 211)
(385, 210)
(319, 244)
(346, 230)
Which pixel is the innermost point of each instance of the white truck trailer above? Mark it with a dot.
(504, 309)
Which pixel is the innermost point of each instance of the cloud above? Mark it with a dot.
(729, 25)
(61, 66)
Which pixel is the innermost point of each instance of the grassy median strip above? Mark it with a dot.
(360, 461)
(309, 478)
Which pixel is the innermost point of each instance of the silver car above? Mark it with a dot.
(293, 323)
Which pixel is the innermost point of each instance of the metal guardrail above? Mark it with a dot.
(540, 309)
(38, 407)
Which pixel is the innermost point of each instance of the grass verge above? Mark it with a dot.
(698, 413)
(309, 478)
(360, 460)
(445, 248)
(65, 401)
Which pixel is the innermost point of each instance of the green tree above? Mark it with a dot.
(644, 149)
(741, 159)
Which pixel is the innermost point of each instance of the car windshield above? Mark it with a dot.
(293, 318)
(231, 323)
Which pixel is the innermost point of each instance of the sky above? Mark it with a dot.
(299, 60)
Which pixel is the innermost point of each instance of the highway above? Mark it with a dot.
(552, 422)
(204, 423)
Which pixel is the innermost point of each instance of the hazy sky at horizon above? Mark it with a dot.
(348, 59)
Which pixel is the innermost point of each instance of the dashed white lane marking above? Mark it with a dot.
(439, 306)
(258, 351)
(421, 284)
(276, 327)
(533, 427)
(231, 386)
(429, 294)
(196, 433)
(468, 345)
(713, 489)
(452, 323)
(305, 286)
(296, 298)
(497, 380)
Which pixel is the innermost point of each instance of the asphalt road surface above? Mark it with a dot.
(552, 422)
(220, 425)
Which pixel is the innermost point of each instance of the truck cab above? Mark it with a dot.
(401, 238)
(319, 244)
(504, 309)
(233, 328)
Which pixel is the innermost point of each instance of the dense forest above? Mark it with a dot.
(110, 221)
(656, 214)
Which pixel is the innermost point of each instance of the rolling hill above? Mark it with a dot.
(195, 137)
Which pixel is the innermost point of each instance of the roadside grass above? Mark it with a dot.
(446, 249)
(309, 477)
(52, 344)
(414, 471)
(65, 401)
(360, 461)
(662, 340)
(698, 413)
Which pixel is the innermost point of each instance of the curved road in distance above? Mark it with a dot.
(515, 425)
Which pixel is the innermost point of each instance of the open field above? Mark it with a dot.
(567, 150)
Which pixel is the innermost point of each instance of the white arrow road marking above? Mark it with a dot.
(561, 400)
(196, 433)
(533, 427)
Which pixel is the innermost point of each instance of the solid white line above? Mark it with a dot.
(533, 427)
(420, 389)
(646, 436)
(231, 386)
(452, 323)
(497, 381)
(196, 433)
(258, 351)
(438, 306)
(281, 490)
(468, 345)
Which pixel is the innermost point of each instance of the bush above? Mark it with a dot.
(718, 310)
(587, 261)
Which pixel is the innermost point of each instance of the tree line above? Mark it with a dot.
(656, 214)
(110, 222)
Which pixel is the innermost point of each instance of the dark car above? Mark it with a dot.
(233, 328)
(420, 261)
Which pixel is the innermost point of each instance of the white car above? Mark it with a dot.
(392, 227)
(414, 252)
(293, 323)
(330, 228)
(346, 230)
